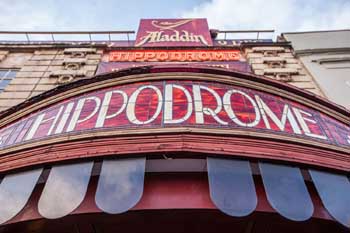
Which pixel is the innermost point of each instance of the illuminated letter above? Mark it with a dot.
(40, 119)
(64, 118)
(190, 56)
(102, 116)
(203, 56)
(149, 56)
(287, 113)
(218, 56)
(130, 109)
(233, 55)
(232, 115)
(301, 119)
(176, 56)
(198, 105)
(151, 37)
(6, 133)
(168, 104)
(162, 56)
(139, 56)
(201, 38)
(76, 114)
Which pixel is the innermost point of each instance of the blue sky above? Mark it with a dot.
(282, 15)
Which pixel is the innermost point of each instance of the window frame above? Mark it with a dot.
(6, 79)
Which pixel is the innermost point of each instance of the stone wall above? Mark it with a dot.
(279, 63)
(44, 69)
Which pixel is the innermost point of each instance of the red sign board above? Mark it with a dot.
(174, 55)
(106, 67)
(173, 32)
(165, 104)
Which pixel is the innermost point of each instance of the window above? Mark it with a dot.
(6, 75)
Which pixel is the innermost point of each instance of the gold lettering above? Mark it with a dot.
(162, 56)
(159, 36)
(150, 56)
(150, 36)
(139, 56)
(201, 39)
(175, 56)
(190, 56)
(233, 56)
(204, 56)
(218, 56)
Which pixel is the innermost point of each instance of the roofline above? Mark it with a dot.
(305, 32)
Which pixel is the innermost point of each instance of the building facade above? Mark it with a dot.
(325, 54)
(175, 131)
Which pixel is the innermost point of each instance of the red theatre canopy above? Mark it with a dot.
(164, 104)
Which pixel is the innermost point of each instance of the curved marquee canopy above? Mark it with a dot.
(157, 110)
(165, 100)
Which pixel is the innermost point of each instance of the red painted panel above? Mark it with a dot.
(166, 104)
(192, 55)
(241, 65)
(173, 32)
(166, 191)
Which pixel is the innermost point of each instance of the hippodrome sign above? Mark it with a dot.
(166, 104)
(174, 55)
(173, 32)
(106, 67)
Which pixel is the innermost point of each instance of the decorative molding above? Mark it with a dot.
(66, 76)
(79, 52)
(262, 49)
(152, 141)
(3, 54)
(73, 63)
(332, 60)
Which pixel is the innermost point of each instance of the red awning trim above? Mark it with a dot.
(162, 191)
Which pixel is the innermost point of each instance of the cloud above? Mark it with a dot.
(21, 13)
(281, 15)
(85, 14)
(47, 15)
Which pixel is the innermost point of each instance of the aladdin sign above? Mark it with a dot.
(173, 32)
(164, 104)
